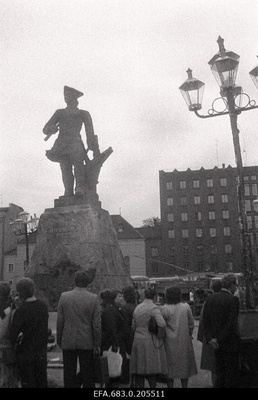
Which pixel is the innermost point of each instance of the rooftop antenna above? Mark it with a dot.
(120, 211)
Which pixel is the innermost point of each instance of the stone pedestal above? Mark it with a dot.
(76, 237)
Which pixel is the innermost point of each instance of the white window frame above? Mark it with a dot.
(169, 185)
(197, 200)
(170, 201)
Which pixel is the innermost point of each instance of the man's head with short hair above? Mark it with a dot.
(25, 288)
(150, 293)
(81, 279)
(229, 282)
(216, 285)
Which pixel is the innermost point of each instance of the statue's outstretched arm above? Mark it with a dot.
(51, 126)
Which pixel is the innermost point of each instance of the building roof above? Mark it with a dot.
(124, 229)
(150, 232)
(12, 252)
(32, 237)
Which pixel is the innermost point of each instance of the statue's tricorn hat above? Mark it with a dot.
(72, 92)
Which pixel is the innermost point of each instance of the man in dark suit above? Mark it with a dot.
(79, 331)
(220, 320)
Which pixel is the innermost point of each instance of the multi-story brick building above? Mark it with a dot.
(200, 217)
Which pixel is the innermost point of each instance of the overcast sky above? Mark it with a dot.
(129, 58)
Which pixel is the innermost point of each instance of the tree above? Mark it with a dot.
(152, 221)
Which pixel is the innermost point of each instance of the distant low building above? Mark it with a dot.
(132, 244)
(8, 240)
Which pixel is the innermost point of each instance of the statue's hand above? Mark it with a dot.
(51, 130)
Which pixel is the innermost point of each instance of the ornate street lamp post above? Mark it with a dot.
(24, 226)
(224, 66)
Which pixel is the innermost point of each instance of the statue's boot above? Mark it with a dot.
(79, 179)
(68, 178)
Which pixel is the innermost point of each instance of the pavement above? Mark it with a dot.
(55, 366)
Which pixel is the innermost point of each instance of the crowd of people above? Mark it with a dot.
(89, 324)
(116, 320)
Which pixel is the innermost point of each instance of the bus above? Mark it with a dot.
(239, 278)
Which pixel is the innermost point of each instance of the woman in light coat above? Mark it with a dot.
(178, 340)
(148, 357)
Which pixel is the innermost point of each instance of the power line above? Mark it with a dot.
(163, 262)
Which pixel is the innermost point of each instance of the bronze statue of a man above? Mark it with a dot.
(68, 148)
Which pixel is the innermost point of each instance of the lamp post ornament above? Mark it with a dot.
(224, 66)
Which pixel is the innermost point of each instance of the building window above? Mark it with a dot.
(211, 215)
(154, 251)
(246, 178)
(228, 248)
(196, 183)
(198, 232)
(229, 266)
(209, 182)
(155, 269)
(197, 200)
(198, 216)
(183, 201)
(255, 205)
(256, 221)
(253, 177)
(120, 228)
(247, 190)
(223, 182)
(186, 250)
(254, 189)
(224, 198)
(212, 232)
(249, 221)
(170, 217)
(172, 250)
(182, 184)
(171, 233)
(169, 185)
(10, 268)
(187, 265)
(184, 216)
(214, 249)
(169, 201)
(226, 231)
(185, 233)
(199, 249)
(247, 205)
(225, 214)
(200, 266)
(210, 199)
